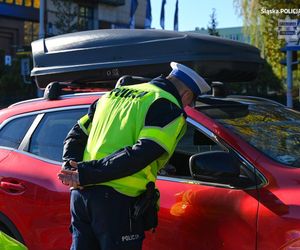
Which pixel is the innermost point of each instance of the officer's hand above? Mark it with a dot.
(70, 177)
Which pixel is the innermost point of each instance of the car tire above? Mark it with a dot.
(6, 230)
(9, 228)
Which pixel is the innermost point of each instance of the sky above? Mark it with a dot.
(195, 13)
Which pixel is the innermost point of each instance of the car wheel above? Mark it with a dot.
(7, 226)
(6, 230)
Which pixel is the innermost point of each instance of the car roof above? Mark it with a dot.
(209, 100)
(77, 99)
(39, 104)
(254, 100)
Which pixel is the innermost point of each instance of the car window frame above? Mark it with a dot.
(39, 115)
(27, 140)
(9, 120)
(48, 143)
(257, 174)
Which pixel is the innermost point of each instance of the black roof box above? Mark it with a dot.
(105, 55)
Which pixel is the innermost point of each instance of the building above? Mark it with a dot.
(18, 24)
(233, 33)
(95, 14)
(19, 19)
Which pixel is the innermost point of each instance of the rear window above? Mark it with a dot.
(272, 129)
(12, 133)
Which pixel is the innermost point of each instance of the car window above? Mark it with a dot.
(13, 132)
(47, 139)
(193, 142)
(274, 130)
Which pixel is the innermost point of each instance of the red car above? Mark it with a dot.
(232, 182)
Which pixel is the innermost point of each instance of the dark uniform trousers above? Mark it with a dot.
(101, 220)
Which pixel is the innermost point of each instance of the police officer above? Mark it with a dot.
(114, 151)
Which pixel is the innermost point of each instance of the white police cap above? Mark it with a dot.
(190, 78)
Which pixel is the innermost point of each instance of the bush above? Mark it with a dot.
(12, 87)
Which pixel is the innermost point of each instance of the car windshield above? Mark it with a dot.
(272, 129)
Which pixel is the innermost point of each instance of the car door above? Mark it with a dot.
(37, 202)
(12, 132)
(204, 215)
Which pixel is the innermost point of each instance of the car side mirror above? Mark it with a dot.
(215, 166)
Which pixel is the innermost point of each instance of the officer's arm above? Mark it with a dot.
(130, 160)
(75, 142)
(124, 162)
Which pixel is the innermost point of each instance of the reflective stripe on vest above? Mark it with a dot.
(166, 140)
(84, 124)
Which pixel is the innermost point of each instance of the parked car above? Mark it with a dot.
(232, 182)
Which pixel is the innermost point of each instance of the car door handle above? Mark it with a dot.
(12, 187)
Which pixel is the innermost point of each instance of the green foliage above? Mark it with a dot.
(212, 29)
(12, 87)
(263, 28)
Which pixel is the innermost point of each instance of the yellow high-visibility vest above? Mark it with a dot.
(119, 121)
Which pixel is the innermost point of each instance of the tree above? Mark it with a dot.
(66, 16)
(262, 28)
(212, 29)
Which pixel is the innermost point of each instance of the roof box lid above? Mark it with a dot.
(105, 55)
